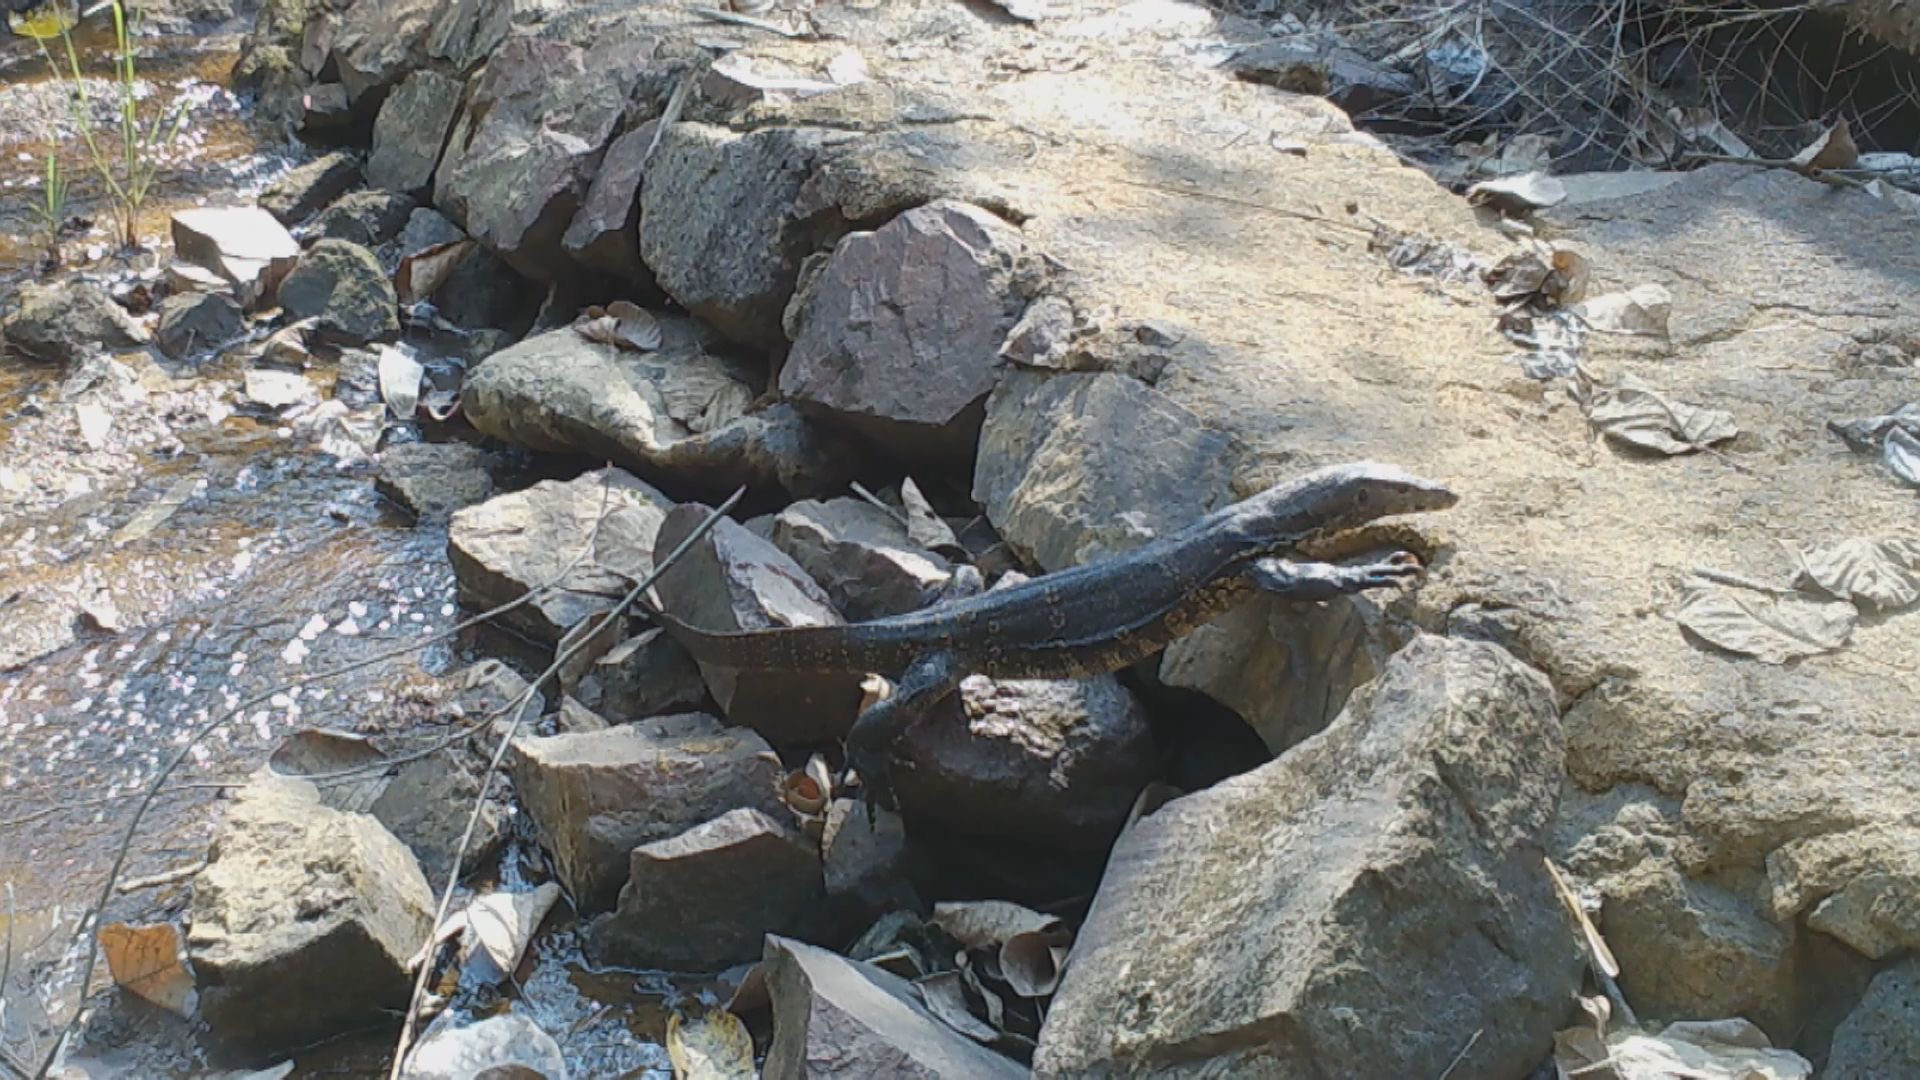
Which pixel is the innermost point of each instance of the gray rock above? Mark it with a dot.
(377, 44)
(1341, 75)
(432, 480)
(649, 674)
(1880, 1039)
(504, 1046)
(196, 322)
(342, 286)
(425, 228)
(676, 413)
(325, 111)
(598, 795)
(1052, 485)
(60, 323)
(706, 899)
(303, 920)
(427, 805)
(411, 130)
(1057, 762)
(834, 1017)
(861, 556)
(897, 336)
(508, 545)
(868, 863)
(604, 235)
(367, 218)
(237, 242)
(306, 188)
(1688, 950)
(733, 580)
(1854, 884)
(1371, 898)
(467, 31)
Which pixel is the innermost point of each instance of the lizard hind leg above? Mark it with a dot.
(870, 743)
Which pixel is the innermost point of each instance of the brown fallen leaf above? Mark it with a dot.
(1021, 940)
(146, 960)
(1834, 149)
(421, 274)
(501, 925)
(713, 1046)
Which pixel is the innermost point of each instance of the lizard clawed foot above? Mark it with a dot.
(1316, 581)
(875, 770)
(1396, 569)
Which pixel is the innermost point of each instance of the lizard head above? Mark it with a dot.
(1336, 498)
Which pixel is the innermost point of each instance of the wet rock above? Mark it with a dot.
(734, 580)
(598, 795)
(1390, 867)
(367, 218)
(306, 188)
(303, 921)
(411, 130)
(676, 413)
(604, 234)
(897, 337)
(1880, 1039)
(432, 480)
(535, 123)
(341, 285)
(1056, 762)
(834, 1017)
(706, 899)
(861, 556)
(195, 322)
(508, 545)
(237, 242)
(1053, 488)
(1688, 950)
(868, 864)
(62, 322)
(377, 44)
(649, 674)
(511, 1045)
(719, 225)
(427, 806)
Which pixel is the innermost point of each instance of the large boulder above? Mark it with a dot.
(511, 544)
(595, 796)
(1367, 902)
(432, 480)
(367, 218)
(677, 414)
(411, 130)
(303, 920)
(898, 336)
(377, 43)
(1880, 1038)
(341, 285)
(59, 323)
(605, 235)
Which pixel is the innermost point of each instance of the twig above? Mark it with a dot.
(1462, 1055)
(1839, 178)
(747, 21)
(676, 103)
(860, 490)
(500, 752)
(165, 877)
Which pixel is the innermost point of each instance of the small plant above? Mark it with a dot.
(52, 208)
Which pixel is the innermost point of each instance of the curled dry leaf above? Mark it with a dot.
(1643, 310)
(502, 924)
(318, 752)
(1901, 455)
(1883, 574)
(1772, 629)
(621, 324)
(808, 790)
(421, 274)
(1730, 1049)
(400, 376)
(945, 995)
(874, 689)
(1834, 149)
(1022, 940)
(1868, 435)
(146, 961)
(1639, 416)
(1518, 195)
(713, 1046)
(751, 996)
(926, 528)
(1568, 283)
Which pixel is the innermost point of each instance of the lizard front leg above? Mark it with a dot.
(870, 742)
(1323, 581)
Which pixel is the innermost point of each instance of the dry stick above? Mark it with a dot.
(152, 793)
(1839, 178)
(499, 754)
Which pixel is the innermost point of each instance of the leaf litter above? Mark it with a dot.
(1771, 628)
(1639, 416)
(622, 324)
(146, 960)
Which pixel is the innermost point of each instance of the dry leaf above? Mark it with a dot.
(621, 324)
(1021, 940)
(715, 1046)
(318, 752)
(945, 996)
(502, 924)
(1884, 574)
(1031, 962)
(1718, 1050)
(1772, 629)
(154, 513)
(1901, 455)
(1638, 416)
(926, 528)
(808, 790)
(1702, 125)
(1597, 949)
(422, 273)
(146, 961)
(1868, 435)
(874, 689)
(1643, 309)
(1834, 149)
(400, 377)
(1518, 195)
(1568, 285)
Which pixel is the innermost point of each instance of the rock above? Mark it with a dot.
(427, 805)
(1341, 75)
(306, 188)
(536, 121)
(604, 235)
(719, 228)
(60, 323)
(411, 130)
(1050, 483)
(512, 543)
(1880, 1039)
(867, 864)
(377, 44)
(596, 796)
(303, 921)
(466, 32)
(325, 112)
(427, 227)
(432, 480)
(834, 1017)
(1054, 762)
(1856, 885)
(367, 218)
(861, 556)
(510, 1045)
(239, 243)
(706, 899)
(1691, 950)
(676, 414)
(733, 580)
(1371, 898)
(897, 337)
(342, 286)
(196, 322)
(647, 675)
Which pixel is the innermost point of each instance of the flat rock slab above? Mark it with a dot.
(1372, 898)
(595, 796)
(508, 545)
(861, 555)
(303, 921)
(237, 242)
(60, 323)
(192, 323)
(432, 480)
(341, 284)
(306, 188)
